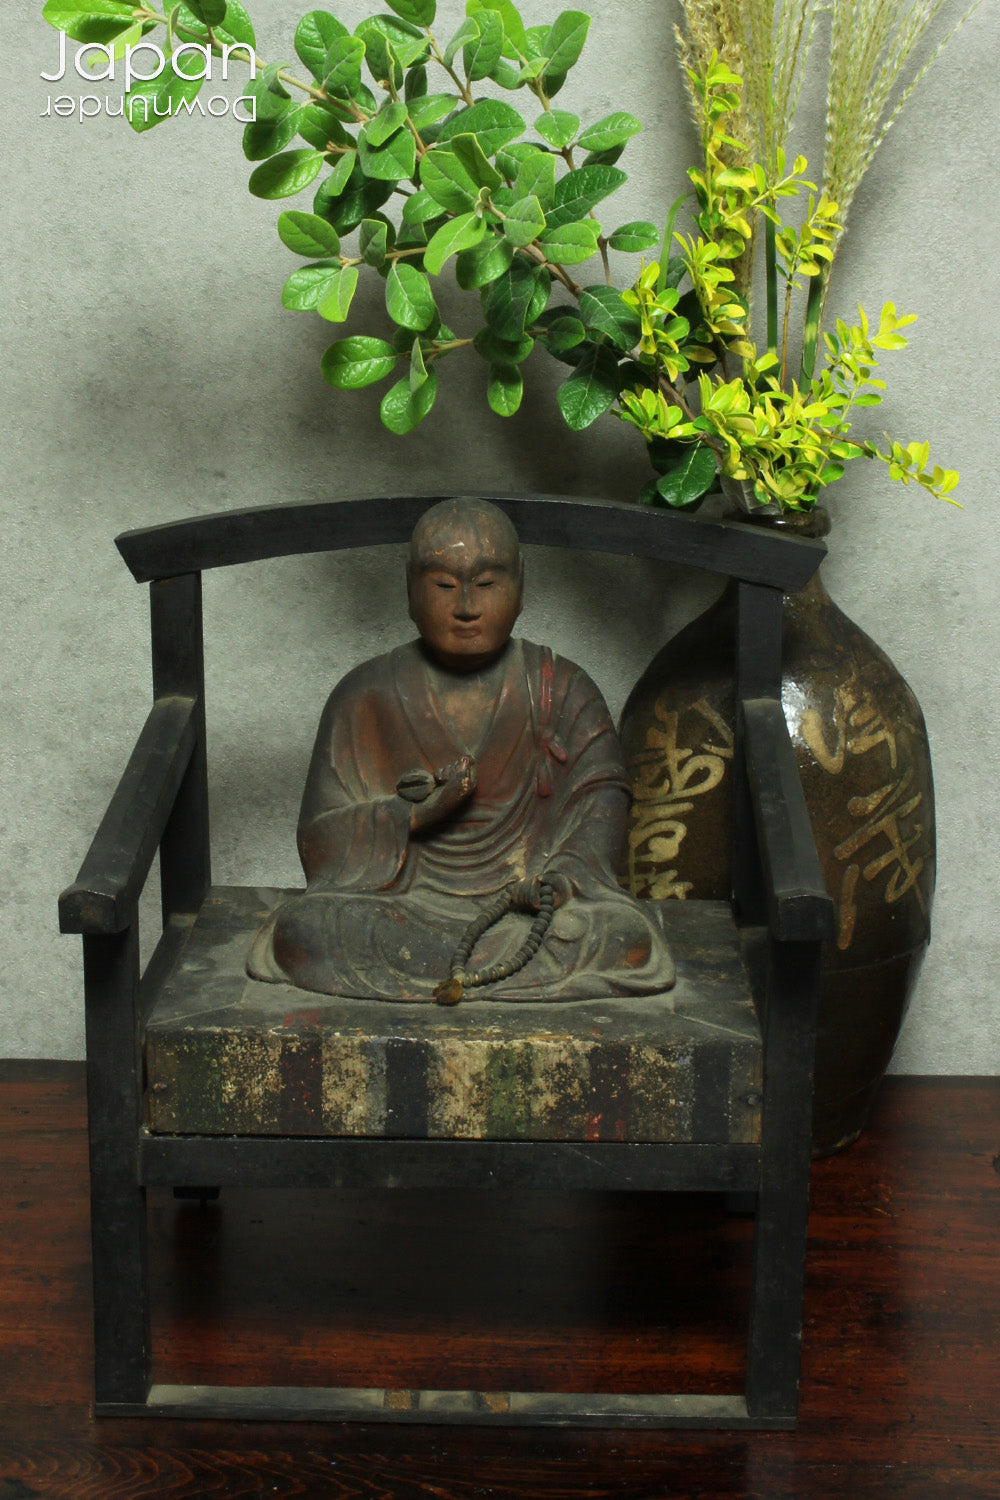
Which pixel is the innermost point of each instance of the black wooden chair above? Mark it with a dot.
(726, 1086)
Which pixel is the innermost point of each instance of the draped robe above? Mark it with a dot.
(384, 908)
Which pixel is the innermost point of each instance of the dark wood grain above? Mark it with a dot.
(103, 897)
(239, 536)
(798, 907)
(899, 1374)
(178, 652)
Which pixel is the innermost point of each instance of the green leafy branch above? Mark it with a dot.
(780, 442)
(392, 113)
(406, 141)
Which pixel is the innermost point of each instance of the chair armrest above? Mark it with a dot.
(102, 899)
(798, 906)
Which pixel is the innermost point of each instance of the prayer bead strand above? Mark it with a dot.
(451, 990)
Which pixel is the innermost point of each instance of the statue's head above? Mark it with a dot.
(465, 582)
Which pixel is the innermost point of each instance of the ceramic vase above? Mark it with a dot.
(862, 752)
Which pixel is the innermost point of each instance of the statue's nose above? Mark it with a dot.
(465, 605)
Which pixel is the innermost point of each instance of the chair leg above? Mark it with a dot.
(117, 1201)
(121, 1300)
(783, 1200)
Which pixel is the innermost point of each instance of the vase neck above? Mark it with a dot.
(813, 524)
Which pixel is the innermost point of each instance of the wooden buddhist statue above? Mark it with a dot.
(460, 768)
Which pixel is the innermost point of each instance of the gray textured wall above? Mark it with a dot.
(151, 371)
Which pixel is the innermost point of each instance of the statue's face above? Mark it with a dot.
(465, 593)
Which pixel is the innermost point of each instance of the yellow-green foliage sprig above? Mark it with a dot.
(785, 442)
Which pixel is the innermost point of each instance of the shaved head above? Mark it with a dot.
(474, 524)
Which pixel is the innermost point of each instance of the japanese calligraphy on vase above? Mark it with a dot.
(862, 753)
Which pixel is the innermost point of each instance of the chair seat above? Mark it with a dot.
(228, 1055)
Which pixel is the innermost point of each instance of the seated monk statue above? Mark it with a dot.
(459, 767)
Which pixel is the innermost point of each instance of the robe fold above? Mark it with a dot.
(384, 908)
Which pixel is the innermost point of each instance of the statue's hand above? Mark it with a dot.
(453, 785)
(415, 786)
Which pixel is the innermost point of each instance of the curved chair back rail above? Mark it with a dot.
(746, 552)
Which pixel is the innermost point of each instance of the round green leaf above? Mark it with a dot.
(614, 130)
(341, 69)
(391, 162)
(418, 368)
(402, 408)
(447, 181)
(212, 12)
(335, 303)
(384, 34)
(483, 263)
(581, 190)
(492, 121)
(570, 244)
(563, 332)
(340, 174)
(506, 76)
(271, 98)
(314, 36)
(558, 127)
(417, 12)
(468, 31)
(481, 54)
(97, 21)
(536, 66)
(154, 99)
(524, 222)
(512, 24)
(415, 85)
(346, 199)
(408, 297)
(513, 300)
(321, 128)
(61, 13)
(286, 174)
(458, 234)
(306, 287)
(504, 389)
(501, 351)
(634, 237)
(591, 390)
(603, 311)
(390, 118)
(689, 478)
(475, 161)
(420, 207)
(429, 109)
(350, 364)
(565, 42)
(264, 138)
(536, 176)
(307, 234)
(234, 28)
(373, 242)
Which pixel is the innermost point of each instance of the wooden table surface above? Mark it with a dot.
(901, 1361)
